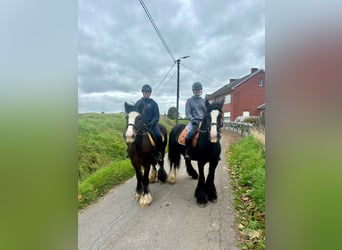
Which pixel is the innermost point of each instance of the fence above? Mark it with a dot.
(240, 128)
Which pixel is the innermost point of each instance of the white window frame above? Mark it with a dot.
(260, 82)
(226, 116)
(227, 99)
(245, 113)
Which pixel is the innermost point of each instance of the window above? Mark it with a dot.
(227, 99)
(226, 116)
(245, 113)
(217, 99)
(260, 82)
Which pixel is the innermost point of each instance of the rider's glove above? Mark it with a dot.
(194, 122)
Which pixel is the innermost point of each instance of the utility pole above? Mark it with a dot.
(178, 62)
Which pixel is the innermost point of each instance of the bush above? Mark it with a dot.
(251, 120)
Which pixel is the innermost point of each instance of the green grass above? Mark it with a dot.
(102, 161)
(99, 183)
(100, 141)
(247, 170)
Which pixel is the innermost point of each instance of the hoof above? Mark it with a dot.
(202, 205)
(171, 180)
(145, 200)
(137, 196)
(195, 177)
(152, 180)
(162, 176)
(202, 202)
(213, 200)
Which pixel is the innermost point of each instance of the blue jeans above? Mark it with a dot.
(156, 132)
(191, 131)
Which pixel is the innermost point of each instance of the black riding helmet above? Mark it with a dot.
(146, 88)
(196, 86)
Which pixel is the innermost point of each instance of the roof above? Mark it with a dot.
(231, 86)
(261, 107)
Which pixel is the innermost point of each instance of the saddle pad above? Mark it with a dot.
(182, 136)
(152, 141)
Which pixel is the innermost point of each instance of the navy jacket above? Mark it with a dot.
(150, 110)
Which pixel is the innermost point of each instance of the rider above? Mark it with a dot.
(150, 114)
(195, 110)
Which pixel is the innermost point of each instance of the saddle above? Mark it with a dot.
(182, 136)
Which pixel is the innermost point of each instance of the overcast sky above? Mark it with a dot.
(119, 50)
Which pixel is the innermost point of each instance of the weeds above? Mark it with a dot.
(247, 170)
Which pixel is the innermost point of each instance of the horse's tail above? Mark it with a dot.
(163, 132)
(174, 147)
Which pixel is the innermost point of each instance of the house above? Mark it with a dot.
(242, 97)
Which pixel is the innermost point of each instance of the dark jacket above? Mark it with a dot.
(150, 110)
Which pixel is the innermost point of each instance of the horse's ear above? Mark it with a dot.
(207, 103)
(126, 107)
(221, 103)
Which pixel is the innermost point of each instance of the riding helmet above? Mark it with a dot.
(146, 88)
(196, 86)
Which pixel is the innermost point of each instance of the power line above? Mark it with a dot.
(157, 30)
(196, 71)
(165, 76)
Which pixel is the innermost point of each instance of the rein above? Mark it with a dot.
(138, 131)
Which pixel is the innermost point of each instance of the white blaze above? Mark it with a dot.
(213, 129)
(129, 135)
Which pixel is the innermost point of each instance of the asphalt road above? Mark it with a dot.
(172, 221)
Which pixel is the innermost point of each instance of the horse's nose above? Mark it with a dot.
(129, 136)
(213, 135)
(129, 139)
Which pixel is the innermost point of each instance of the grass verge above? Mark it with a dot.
(247, 171)
(100, 182)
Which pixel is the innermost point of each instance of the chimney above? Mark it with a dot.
(231, 80)
(254, 70)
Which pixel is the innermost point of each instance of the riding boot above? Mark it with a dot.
(157, 151)
(188, 142)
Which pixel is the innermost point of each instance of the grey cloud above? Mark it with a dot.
(119, 50)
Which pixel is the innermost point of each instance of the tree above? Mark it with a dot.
(172, 113)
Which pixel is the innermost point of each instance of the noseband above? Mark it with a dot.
(138, 131)
(207, 127)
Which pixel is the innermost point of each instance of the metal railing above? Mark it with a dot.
(241, 128)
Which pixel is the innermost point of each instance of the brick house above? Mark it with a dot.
(242, 97)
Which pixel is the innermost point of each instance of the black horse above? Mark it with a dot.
(140, 150)
(207, 149)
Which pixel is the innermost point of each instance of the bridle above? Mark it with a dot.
(213, 134)
(130, 134)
